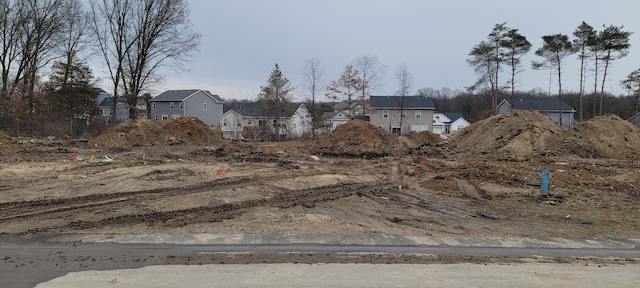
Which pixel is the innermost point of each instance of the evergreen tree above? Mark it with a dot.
(516, 46)
(584, 35)
(554, 49)
(275, 97)
(70, 94)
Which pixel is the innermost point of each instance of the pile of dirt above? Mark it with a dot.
(4, 137)
(356, 138)
(607, 136)
(522, 135)
(528, 134)
(413, 140)
(181, 131)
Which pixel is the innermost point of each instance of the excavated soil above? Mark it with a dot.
(145, 132)
(135, 178)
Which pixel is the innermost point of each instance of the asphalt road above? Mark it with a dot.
(27, 262)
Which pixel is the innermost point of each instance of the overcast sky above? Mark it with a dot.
(243, 39)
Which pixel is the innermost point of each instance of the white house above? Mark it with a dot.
(334, 119)
(445, 123)
(246, 120)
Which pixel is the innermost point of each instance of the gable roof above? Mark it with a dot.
(180, 95)
(540, 104)
(108, 102)
(396, 101)
(453, 115)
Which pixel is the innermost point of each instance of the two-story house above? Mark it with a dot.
(402, 114)
(557, 110)
(247, 120)
(200, 104)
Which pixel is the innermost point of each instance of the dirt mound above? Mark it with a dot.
(413, 140)
(4, 137)
(356, 138)
(607, 136)
(527, 134)
(183, 131)
(521, 135)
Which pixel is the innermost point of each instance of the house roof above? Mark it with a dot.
(180, 95)
(252, 109)
(453, 115)
(540, 104)
(396, 101)
(100, 90)
(108, 102)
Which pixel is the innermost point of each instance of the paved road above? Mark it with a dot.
(28, 262)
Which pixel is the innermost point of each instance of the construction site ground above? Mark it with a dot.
(180, 177)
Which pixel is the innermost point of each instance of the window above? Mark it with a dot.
(239, 124)
(419, 128)
(171, 105)
(418, 114)
(224, 122)
(165, 116)
(156, 117)
(106, 111)
(181, 105)
(153, 105)
(385, 114)
(175, 116)
(404, 114)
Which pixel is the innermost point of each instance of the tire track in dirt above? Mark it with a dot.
(219, 213)
(24, 209)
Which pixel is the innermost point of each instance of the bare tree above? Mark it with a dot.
(13, 15)
(41, 34)
(345, 88)
(312, 76)
(370, 72)
(76, 37)
(165, 39)
(114, 37)
(138, 38)
(405, 83)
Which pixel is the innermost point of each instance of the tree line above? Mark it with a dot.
(46, 84)
(596, 50)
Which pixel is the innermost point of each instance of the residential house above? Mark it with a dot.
(102, 94)
(401, 115)
(242, 120)
(122, 109)
(200, 104)
(352, 110)
(557, 110)
(446, 123)
(334, 119)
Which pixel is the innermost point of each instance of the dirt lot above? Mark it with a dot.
(178, 176)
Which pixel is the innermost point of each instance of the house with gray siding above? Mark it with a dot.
(250, 120)
(557, 110)
(402, 114)
(200, 104)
